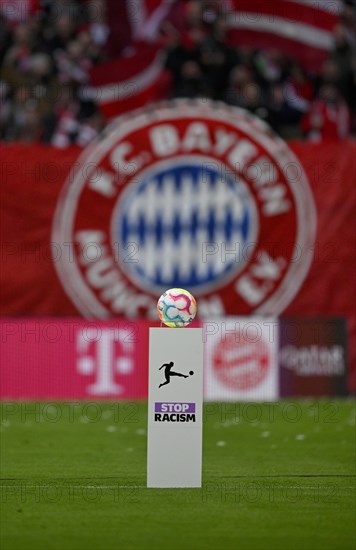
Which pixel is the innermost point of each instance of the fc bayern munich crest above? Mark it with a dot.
(244, 366)
(187, 194)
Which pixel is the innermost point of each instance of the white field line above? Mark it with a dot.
(145, 486)
(75, 486)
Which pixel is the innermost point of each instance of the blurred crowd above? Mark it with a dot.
(47, 53)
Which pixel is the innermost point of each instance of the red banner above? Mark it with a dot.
(32, 177)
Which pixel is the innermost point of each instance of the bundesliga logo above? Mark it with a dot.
(188, 194)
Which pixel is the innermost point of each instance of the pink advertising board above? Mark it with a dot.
(73, 358)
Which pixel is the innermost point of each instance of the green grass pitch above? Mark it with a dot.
(275, 476)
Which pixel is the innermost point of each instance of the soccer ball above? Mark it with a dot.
(176, 308)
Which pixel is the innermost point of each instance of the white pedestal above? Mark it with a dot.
(174, 446)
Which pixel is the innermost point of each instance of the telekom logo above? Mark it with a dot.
(108, 354)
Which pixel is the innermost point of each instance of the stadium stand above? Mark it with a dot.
(51, 50)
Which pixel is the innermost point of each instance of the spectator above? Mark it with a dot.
(98, 28)
(288, 101)
(341, 59)
(92, 51)
(189, 81)
(240, 76)
(216, 60)
(20, 117)
(271, 66)
(18, 55)
(342, 52)
(252, 99)
(90, 125)
(329, 117)
(73, 65)
(62, 124)
(298, 90)
(205, 45)
(73, 121)
(62, 32)
(5, 38)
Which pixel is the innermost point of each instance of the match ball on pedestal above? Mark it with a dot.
(176, 308)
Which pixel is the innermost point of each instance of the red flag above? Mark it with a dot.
(145, 17)
(130, 82)
(301, 28)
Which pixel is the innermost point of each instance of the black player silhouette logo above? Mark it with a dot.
(168, 373)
